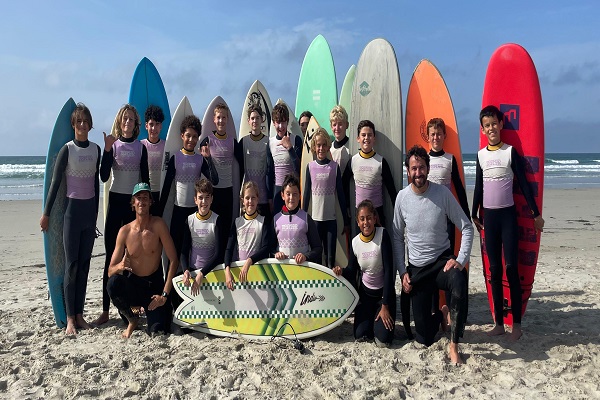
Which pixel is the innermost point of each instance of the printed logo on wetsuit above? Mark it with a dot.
(289, 227)
(86, 158)
(365, 255)
(127, 153)
(202, 231)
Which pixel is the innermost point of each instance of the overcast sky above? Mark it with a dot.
(53, 50)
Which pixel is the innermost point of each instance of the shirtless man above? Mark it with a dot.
(135, 276)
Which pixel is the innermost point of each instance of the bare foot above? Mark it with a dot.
(497, 331)
(445, 325)
(133, 323)
(516, 333)
(455, 357)
(82, 323)
(102, 319)
(71, 326)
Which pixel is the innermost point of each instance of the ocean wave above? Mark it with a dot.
(34, 185)
(22, 170)
(563, 161)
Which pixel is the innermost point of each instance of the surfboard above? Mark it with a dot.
(173, 144)
(512, 85)
(428, 98)
(257, 94)
(147, 89)
(341, 252)
(54, 251)
(208, 126)
(317, 85)
(376, 96)
(345, 98)
(280, 297)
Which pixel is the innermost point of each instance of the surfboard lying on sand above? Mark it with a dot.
(309, 297)
(54, 251)
(512, 85)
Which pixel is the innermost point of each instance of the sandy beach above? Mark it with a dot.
(558, 356)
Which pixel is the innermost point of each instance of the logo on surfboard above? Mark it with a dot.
(512, 115)
(364, 88)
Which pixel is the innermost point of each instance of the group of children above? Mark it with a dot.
(272, 222)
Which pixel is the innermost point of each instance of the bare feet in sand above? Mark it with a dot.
(516, 333)
(71, 326)
(102, 319)
(82, 323)
(133, 323)
(455, 357)
(497, 331)
(445, 325)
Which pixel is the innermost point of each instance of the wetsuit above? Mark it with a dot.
(249, 237)
(79, 162)
(340, 153)
(130, 290)
(257, 164)
(497, 166)
(184, 168)
(128, 161)
(295, 232)
(156, 153)
(285, 162)
(371, 267)
(371, 173)
(422, 219)
(201, 248)
(323, 184)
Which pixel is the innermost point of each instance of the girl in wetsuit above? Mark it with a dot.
(78, 161)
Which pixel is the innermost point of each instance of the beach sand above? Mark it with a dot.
(558, 356)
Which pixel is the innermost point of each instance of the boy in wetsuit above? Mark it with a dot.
(154, 118)
(497, 165)
(340, 152)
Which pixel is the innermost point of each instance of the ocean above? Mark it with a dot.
(22, 177)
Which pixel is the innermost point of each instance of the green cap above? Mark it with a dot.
(140, 187)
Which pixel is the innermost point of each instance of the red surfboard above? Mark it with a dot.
(512, 85)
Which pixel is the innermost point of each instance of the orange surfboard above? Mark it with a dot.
(428, 98)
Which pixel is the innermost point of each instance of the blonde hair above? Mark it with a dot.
(116, 131)
(221, 107)
(338, 113)
(248, 185)
(320, 133)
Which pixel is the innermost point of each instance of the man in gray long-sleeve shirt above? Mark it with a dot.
(420, 216)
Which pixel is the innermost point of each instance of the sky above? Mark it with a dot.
(88, 50)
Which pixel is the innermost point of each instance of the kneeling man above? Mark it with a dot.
(420, 213)
(135, 273)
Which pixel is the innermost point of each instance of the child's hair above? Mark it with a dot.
(290, 180)
(203, 186)
(320, 133)
(221, 107)
(436, 123)
(490, 111)
(154, 113)
(191, 121)
(365, 123)
(80, 109)
(306, 113)
(419, 152)
(338, 113)
(257, 109)
(370, 208)
(136, 128)
(250, 185)
(280, 113)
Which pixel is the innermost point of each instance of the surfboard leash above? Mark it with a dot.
(298, 345)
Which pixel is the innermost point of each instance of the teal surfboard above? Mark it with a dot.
(54, 252)
(147, 89)
(346, 93)
(317, 85)
(279, 298)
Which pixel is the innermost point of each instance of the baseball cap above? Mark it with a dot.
(140, 187)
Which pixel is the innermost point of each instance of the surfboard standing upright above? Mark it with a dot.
(280, 298)
(54, 251)
(376, 96)
(257, 94)
(345, 98)
(317, 85)
(512, 85)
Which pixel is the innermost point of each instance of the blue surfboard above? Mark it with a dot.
(54, 252)
(147, 89)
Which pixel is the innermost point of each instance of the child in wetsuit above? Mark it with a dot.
(155, 147)
(323, 184)
(497, 165)
(371, 260)
(79, 162)
(249, 236)
(340, 152)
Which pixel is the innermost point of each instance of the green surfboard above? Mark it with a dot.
(346, 93)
